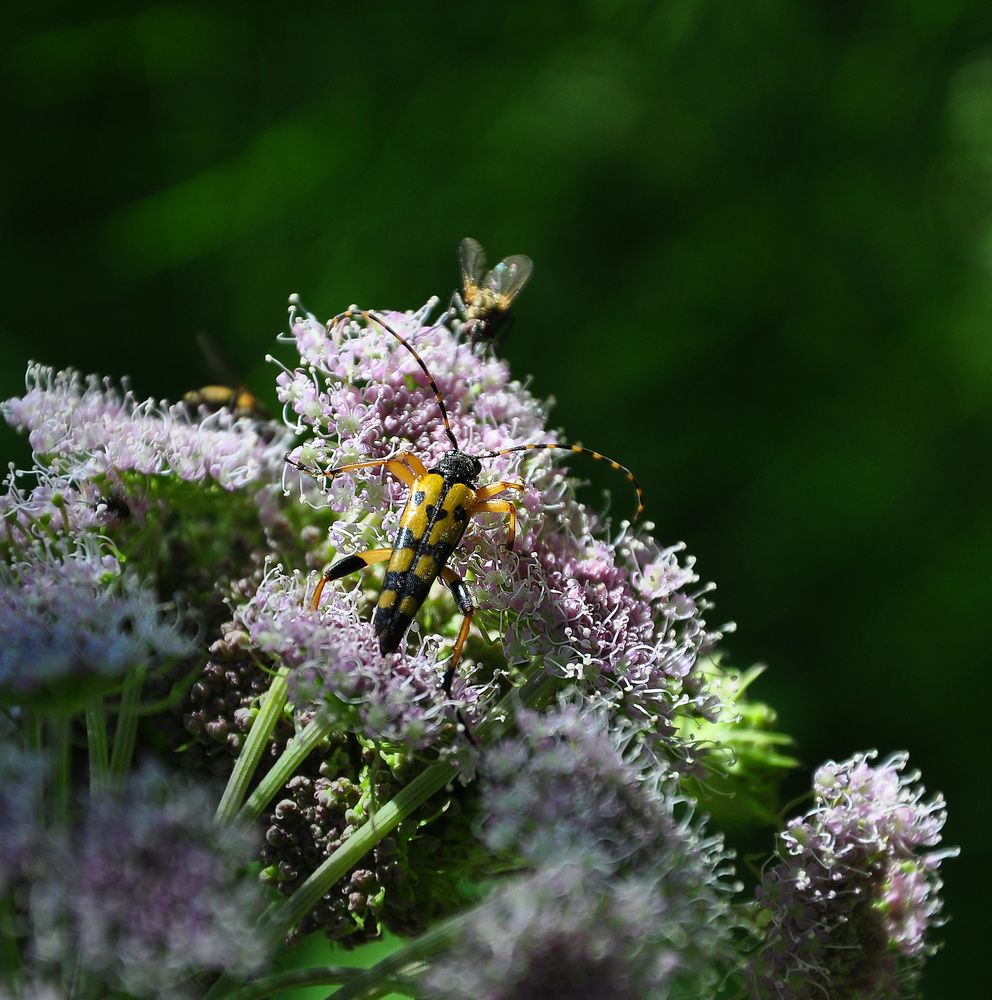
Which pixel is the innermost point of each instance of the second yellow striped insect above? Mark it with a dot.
(441, 502)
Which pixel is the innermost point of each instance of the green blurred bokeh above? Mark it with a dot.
(762, 236)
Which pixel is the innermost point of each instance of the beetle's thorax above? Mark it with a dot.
(457, 467)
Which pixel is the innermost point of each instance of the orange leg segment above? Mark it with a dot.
(350, 564)
(459, 591)
(405, 466)
(487, 506)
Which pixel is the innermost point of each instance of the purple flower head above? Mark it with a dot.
(616, 618)
(568, 932)
(847, 907)
(573, 783)
(395, 698)
(70, 616)
(576, 786)
(94, 429)
(150, 889)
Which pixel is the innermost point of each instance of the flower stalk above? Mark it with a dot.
(247, 760)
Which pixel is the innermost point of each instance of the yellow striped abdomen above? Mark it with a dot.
(431, 526)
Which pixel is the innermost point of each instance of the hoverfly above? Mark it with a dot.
(486, 296)
(214, 398)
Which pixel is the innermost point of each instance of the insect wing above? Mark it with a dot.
(472, 258)
(507, 278)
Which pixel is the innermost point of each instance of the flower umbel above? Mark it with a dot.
(628, 899)
(87, 428)
(847, 908)
(70, 616)
(616, 618)
(150, 890)
(157, 603)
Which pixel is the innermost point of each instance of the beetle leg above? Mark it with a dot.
(487, 506)
(459, 591)
(350, 564)
(405, 466)
(491, 489)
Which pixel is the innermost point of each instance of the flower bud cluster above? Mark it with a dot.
(408, 879)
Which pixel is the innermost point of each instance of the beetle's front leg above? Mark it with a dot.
(405, 466)
(486, 506)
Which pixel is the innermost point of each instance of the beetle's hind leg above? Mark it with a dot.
(459, 591)
(350, 564)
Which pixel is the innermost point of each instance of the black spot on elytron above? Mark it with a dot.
(460, 513)
(440, 551)
(430, 508)
(418, 497)
(405, 539)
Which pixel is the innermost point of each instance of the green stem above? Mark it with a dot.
(59, 736)
(328, 975)
(270, 708)
(291, 758)
(127, 727)
(32, 729)
(295, 753)
(372, 982)
(11, 928)
(96, 737)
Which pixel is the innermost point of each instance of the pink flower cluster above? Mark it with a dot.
(616, 618)
(90, 429)
(847, 907)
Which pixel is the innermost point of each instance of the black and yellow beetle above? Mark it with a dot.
(214, 398)
(442, 500)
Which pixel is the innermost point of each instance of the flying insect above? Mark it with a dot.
(214, 398)
(486, 296)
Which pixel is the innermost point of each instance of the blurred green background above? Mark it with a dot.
(762, 236)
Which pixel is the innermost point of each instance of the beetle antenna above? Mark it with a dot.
(372, 318)
(578, 449)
